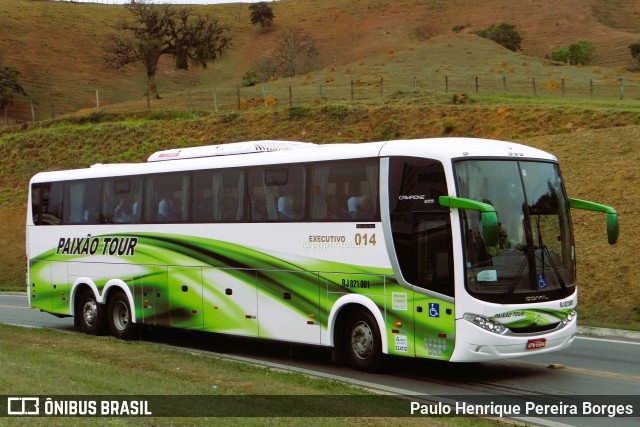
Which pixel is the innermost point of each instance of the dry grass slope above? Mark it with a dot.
(364, 41)
(57, 46)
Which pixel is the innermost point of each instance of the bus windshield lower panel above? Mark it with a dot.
(534, 258)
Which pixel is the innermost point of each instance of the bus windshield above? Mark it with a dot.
(534, 258)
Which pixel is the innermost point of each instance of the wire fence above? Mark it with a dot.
(269, 96)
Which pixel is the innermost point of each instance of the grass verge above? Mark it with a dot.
(46, 362)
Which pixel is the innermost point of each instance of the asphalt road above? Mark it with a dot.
(591, 368)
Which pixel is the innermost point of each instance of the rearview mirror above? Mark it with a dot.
(488, 216)
(613, 225)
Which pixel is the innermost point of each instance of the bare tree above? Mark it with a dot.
(293, 47)
(157, 30)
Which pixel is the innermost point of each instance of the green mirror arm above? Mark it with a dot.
(613, 225)
(461, 203)
(490, 228)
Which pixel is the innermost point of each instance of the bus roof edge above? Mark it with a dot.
(234, 148)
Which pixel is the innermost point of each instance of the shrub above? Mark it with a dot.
(560, 55)
(461, 98)
(249, 79)
(389, 131)
(448, 127)
(459, 28)
(230, 117)
(336, 111)
(299, 111)
(580, 52)
(503, 34)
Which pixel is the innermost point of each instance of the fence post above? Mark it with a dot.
(533, 85)
(562, 83)
(477, 84)
(352, 91)
(321, 92)
(33, 113)
(290, 97)
(215, 101)
(621, 89)
(414, 83)
(264, 96)
(148, 93)
(446, 84)
(504, 84)
(53, 108)
(97, 101)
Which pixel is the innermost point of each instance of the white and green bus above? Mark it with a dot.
(456, 249)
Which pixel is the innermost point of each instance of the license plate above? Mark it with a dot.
(539, 343)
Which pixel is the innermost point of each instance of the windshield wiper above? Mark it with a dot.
(514, 285)
(544, 250)
(528, 258)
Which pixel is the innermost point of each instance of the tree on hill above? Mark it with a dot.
(294, 47)
(157, 30)
(9, 87)
(635, 52)
(261, 14)
(580, 52)
(503, 34)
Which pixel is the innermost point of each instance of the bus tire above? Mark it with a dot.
(90, 314)
(363, 342)
(119, 316)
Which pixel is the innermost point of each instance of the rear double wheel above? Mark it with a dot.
(363, 342)
(119, 316)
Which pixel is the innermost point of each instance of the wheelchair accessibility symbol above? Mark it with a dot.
(542, 281)
(434, 309)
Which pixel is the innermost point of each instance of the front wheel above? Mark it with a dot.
(119, 316)
(363, 342)
(90, 314)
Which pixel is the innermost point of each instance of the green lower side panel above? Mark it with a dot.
(211, 285)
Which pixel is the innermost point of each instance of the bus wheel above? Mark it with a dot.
(363, 342)
(90, 314)
(119, 316)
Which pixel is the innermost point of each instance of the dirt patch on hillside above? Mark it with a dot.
(13, 247)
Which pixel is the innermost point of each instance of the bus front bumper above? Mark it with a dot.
(477, 345)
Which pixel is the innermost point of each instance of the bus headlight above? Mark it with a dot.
(569, 318)
(485, 323)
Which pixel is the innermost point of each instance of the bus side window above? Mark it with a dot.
(47, 203)
(82, 201)
(345, 190)
(219, 196)
(167, 198)
(122, 200)
(277, 193)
